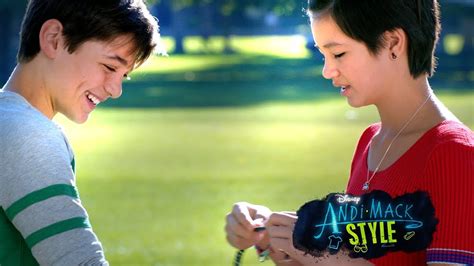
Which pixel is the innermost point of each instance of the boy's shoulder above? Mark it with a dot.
(22, 123)
(17, 113)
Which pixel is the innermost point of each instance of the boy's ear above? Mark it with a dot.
(396, 41)
(51, 38)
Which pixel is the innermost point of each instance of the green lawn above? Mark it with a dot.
(159, 168)
(158, 182)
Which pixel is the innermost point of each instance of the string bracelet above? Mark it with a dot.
(262, 253)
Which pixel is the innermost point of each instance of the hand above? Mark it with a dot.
(241, 223)
(280, 227)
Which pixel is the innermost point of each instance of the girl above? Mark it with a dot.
(381, 53)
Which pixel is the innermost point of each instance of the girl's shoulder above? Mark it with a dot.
(453, 132)
(449, 144)
(369, 133)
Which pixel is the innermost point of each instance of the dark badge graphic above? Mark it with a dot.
(368, 226)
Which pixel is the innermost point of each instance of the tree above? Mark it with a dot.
(11, 13)
(203, 17)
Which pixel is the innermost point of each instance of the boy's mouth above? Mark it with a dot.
(92, 98)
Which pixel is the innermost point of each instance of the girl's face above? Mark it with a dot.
(362, 76)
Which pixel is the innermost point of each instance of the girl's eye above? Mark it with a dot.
(339, 55)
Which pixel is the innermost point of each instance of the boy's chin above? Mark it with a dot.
(81, 119)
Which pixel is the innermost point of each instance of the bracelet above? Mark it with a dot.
(262, 253)
(238, 257)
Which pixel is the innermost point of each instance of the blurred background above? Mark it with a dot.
(239, 111)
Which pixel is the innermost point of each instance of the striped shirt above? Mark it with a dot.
(42, 220)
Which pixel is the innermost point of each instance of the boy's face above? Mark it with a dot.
(89, 76)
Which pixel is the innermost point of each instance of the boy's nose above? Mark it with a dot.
(114, 89)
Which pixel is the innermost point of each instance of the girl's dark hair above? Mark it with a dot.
(84, 20)
(367, 20)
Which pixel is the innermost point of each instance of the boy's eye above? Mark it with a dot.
(110, 68)
(339, 55)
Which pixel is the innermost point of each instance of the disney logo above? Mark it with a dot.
(346, 198)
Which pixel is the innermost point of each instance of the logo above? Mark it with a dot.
(368, 226)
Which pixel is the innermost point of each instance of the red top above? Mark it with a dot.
(441, 162)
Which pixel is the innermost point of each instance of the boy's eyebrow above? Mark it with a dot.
(119, 59)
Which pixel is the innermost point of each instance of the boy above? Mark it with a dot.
(73, 55)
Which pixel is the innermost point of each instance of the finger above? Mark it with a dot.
(281, 244)
(241, 213)
(234, 227)
(280, 218)
(280, 231)
(282, 258)
(288, 261)
(239, 242)
(286, 246)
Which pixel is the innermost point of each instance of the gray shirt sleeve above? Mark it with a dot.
(39, 195)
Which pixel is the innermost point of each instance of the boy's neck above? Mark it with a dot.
(27, 80)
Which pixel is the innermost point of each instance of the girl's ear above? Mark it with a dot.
(396, 42)
(51, 38)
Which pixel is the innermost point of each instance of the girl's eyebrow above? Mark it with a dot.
(328, 45)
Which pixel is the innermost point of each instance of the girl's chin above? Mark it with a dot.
(355, 104)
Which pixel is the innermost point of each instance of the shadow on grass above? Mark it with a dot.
(260, 79)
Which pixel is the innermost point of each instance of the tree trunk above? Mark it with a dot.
(5, 61)
(10, 21)
(179, 23)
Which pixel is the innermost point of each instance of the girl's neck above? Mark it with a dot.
(410, 105)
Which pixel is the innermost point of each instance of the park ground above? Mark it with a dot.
(159, 168)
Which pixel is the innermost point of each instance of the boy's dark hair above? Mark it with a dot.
(84, 20)
(367, 20)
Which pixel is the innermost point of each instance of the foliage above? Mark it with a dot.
(228, 7)
(13, 5)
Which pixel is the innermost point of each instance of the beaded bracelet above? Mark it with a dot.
(262, 253)
(238, 257)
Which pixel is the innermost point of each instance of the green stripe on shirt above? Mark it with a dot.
(73, 165)
(40, 195)
(55, 229)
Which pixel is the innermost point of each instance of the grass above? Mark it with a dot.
(159, 182)
(159, 168)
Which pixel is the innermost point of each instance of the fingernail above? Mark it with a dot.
(259, 228)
